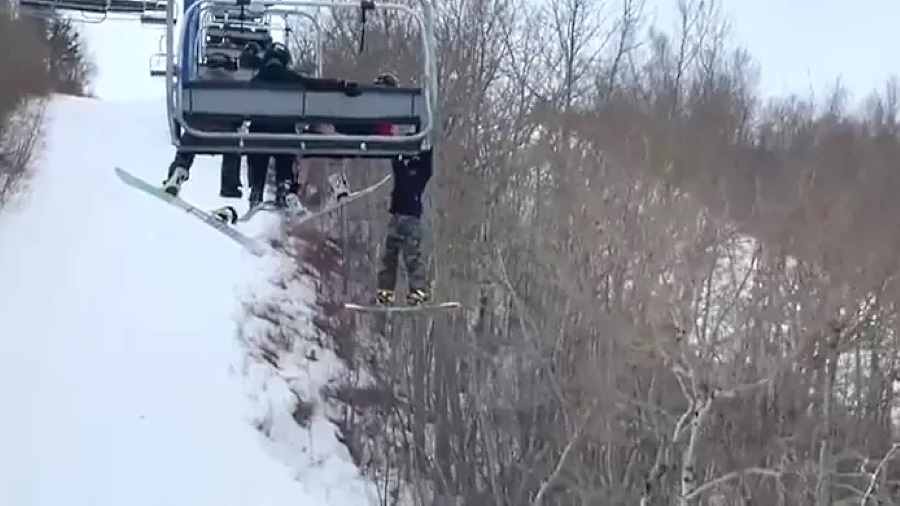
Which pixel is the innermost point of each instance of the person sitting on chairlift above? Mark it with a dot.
(230, 183)
(275, 69)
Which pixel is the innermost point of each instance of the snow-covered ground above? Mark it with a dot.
(122, 380)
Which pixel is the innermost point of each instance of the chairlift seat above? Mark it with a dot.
(250, 19)
(405, 105)
(240, 38)
(231, 52)
(242, 26)
(89, 6)
(222, 13)
(247, 32)
(221, 60)
(205, 102)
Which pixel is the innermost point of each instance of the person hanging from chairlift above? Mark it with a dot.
(404, 232)
(404, 229)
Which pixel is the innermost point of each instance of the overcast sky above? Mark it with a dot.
(799, 44)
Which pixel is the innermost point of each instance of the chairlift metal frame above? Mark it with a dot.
(182, 89)
(228, 31)
(94, 12)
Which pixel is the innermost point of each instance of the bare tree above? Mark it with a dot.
(676, 291)
(23, 81)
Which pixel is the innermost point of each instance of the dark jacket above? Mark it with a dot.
(279, 74)
(411, 175)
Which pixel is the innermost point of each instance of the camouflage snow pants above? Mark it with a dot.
(404, 235)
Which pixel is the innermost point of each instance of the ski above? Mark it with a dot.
(402, 309)
(302, 216)
(139, 184)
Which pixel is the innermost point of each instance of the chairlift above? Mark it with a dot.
(193, 101)
(157, 63)
(155, 13)
(238, 12)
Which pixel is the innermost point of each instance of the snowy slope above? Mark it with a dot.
(118, 317)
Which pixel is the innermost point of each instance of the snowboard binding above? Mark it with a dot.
(226, 214)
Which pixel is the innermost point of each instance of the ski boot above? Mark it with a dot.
(339, 188)
(177, 177)
(384, 297)
(226, 214)
(418, 296)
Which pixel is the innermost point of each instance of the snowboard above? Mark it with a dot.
(139, 184)
(401, 309)
(298, 217)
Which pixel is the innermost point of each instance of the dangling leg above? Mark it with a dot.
(286, 184)
(338, 182)
(415, 260)
(387, 273)
(179, 172)
(257, 169)
(230, 183)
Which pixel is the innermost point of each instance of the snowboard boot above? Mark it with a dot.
(384, 297)
(294, 206)
(418, 296)
(339, 188)
(177, 177)
(227, 214)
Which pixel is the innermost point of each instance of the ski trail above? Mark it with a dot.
(118, 319)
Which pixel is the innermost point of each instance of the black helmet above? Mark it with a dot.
(387, 79)
(277, 54)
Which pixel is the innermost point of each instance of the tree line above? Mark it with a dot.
(677, 290)
(45, 55)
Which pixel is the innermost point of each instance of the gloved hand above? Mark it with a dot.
(350, 88)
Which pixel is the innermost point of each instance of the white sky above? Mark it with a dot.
(122, 49)
(799, 43)
(803, 43)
